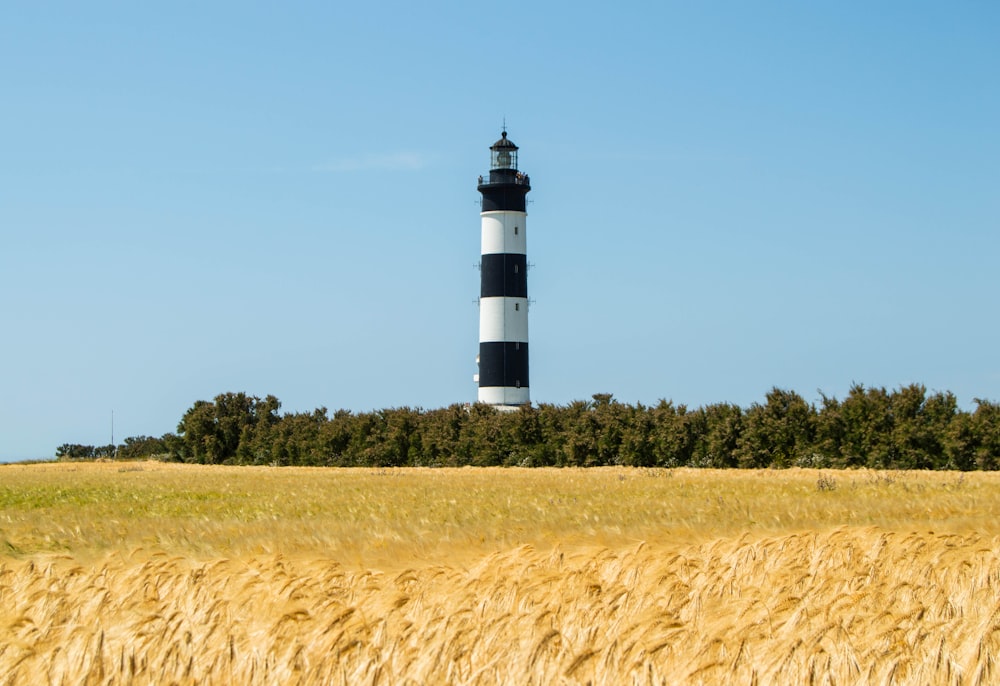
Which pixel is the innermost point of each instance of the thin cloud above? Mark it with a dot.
(397, 161)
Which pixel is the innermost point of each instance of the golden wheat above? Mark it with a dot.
(743, 577)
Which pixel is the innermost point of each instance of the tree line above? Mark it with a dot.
(905, 428)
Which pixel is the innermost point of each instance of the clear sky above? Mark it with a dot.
(280, 198)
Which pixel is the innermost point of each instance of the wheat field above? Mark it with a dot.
(154, 573)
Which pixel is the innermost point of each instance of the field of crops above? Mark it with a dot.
(155, 573)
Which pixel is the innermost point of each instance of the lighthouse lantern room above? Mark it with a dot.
(503, 296)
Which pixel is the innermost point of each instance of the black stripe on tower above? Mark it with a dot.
(503, 364)
(505, 190)
(504, 274)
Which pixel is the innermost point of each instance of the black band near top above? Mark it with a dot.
(504, 196)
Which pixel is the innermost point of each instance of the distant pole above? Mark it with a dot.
(113, 451)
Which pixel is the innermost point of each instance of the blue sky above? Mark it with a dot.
(280, 198)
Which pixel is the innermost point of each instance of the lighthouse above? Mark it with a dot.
(503, 294)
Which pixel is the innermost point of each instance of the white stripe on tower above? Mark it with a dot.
(503, 297)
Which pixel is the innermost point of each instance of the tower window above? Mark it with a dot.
(515, 230)
(515, 268)
(517, 307)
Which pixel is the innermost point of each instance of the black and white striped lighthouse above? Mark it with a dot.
(503, 295)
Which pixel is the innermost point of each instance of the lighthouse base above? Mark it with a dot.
(509, 408)
(504, 396)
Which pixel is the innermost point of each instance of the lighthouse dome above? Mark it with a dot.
(504, 143)
(503, 154)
